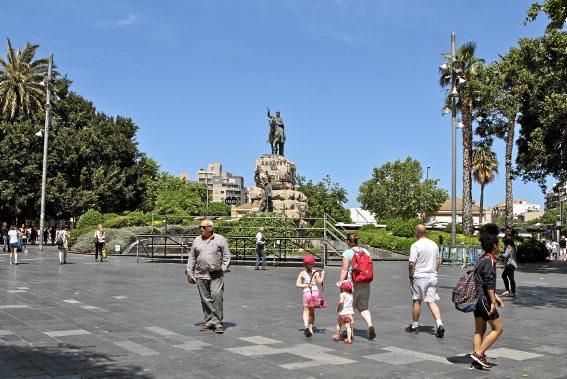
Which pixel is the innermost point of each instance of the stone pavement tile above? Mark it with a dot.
(20, 362)
(32, 371)
(66, 333)
(517, 355)
(7, 371)
(136, 348)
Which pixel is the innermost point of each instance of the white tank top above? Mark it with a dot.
(307, 279)
(347, 306)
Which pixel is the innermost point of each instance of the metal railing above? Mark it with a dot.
(465, 255)
(326, 242)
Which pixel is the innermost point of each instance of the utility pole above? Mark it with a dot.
(45, 145)
(453, 144)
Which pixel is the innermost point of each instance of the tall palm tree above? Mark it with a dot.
(465, 106)
(21, 91)
(485, 168)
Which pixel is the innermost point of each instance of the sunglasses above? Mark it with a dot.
(203, 226)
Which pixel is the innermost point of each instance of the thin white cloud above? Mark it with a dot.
(130, 19)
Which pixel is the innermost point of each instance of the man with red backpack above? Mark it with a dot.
(423, 265)
(357, 267)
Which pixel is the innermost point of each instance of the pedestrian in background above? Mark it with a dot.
(261, 249)
(423, 265)
(207, 262)
(510, 265)
(63, 245)
(99, 241)
(23, 238)
(562, 248)
(52, 234)
(45, 235)
(14, 243)
(5, 237)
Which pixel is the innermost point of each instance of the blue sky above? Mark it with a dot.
(356, 81)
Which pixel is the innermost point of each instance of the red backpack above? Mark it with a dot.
(362, 269)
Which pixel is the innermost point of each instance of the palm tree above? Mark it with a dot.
(465, 105)
(21, 91)
(485, 168)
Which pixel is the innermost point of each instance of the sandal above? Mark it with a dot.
(336, 337)
(348, 340)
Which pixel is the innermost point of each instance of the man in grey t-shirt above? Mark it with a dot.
(423, 265)
(208, 260)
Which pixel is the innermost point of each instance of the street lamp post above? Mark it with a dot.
(45, 145)
(451, 69)
(427, 173)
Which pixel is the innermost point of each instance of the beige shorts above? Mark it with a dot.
(424, 289)
(360, 296)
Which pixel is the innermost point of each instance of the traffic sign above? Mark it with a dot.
(231, 200)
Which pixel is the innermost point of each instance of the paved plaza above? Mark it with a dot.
(123, 319)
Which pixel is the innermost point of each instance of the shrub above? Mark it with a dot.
(459, 228)
(82, 239)
(90, 218)
(402, 228)
(130, 219)
(531, 250)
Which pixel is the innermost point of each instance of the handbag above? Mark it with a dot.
(317, 301)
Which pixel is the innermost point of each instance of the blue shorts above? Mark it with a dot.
(14, 245)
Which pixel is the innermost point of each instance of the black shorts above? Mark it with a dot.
(482, 309)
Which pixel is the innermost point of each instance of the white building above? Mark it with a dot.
(521, 210)
(222, 184)
(361, 216)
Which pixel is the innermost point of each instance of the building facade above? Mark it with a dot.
(521, 209)
(222, 184)
(552, 198)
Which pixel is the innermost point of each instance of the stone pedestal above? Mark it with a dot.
(281, 174)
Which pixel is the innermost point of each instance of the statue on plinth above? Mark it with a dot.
(276, 138)
(266, 204)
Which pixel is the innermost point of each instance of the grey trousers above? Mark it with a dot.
(211, 292)
(260, 256)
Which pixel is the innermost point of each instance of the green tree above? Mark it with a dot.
(93, 163)
(543, 108)
(219, 209)
(325, 197)
(499, 87)
(176, 196)
(465, 105)
(396, 190)
(21, 91)
(556, 10)
(485, 167)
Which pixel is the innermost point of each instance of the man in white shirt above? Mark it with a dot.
(423, 265)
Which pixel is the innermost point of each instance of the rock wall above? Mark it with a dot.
(281, 174)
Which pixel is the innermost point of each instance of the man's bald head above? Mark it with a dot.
(420, 230)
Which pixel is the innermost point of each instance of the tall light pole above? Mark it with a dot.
(45, 145)
(427, 173)
(451, 69)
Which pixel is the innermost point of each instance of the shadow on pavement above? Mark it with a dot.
(65, 359)
(538, 296)
(555, 267)
(460, 359)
